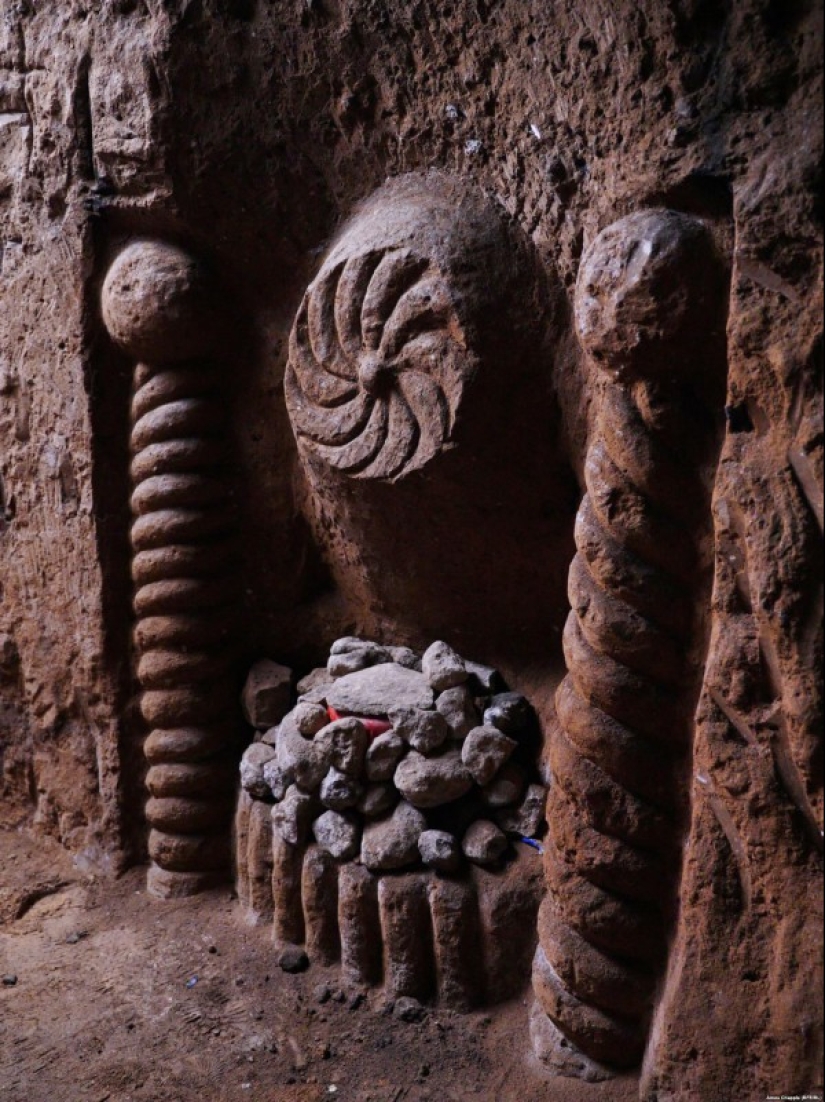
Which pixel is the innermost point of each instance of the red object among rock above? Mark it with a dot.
(374, 727)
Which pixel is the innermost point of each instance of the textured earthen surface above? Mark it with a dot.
(249, 133)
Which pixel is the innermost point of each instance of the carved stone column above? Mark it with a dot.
(159, 306)
(649, 314)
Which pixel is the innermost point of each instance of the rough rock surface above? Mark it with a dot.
(337, 834)
(439, 850)
(302, 760)
(484, 751)
(310, 718)
(383, 756)
(344, 743)
(428, 782)
(374, 691)
(252, 769)
(423, 731)
(443, 668)
(458, 708)
(509, 712)
(151, 116)
(292, 817)
(392, 843)
(377, 800)
(338, 791)
(277, 781)
(484, 843)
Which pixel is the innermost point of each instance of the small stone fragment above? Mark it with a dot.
(425, 731)
(392, 843)
(484, 678)
(457, 707)
(428, 782)
(338, 835)
(339, 791)
(439, 850)
(253, 761)
(506, 788)
(267, 694)
(372, 692)
(509, 712)
(339, 665)
(526, 819)
(485, 751)
(484, 844)
(313, 685)
(403, 656)
(309, 718)
(293, 960)
(348, 643)
(303, 760)
(344, 744)
(276, 779)
(350, 654)
(383, 755)
(293, 816)
(9, 980)
(322, 993)
(377, 800)
(409, 1010)
(443, 668)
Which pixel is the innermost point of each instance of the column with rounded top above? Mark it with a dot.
(649, 312)
(162, 309)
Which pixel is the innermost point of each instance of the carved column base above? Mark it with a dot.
(558, 1055)
(164, 884)
(461, 941)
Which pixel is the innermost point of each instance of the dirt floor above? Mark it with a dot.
(119, 997)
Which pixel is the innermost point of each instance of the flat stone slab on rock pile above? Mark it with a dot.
(375, 691)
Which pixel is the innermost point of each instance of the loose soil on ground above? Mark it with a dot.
(121, 998)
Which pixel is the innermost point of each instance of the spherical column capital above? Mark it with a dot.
(159, 304)
(646, 292)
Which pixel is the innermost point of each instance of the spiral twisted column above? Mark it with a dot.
(620, 752)
(158, 306)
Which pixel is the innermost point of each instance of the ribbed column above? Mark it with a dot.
(620, 752)
(158, 305)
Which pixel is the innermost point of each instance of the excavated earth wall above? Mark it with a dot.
(248, 130)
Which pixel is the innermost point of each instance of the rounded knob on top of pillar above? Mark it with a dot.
(647, 285)
(160, 304)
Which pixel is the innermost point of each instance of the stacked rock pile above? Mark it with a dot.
(395, 760)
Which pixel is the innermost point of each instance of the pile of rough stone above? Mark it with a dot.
(393, 758)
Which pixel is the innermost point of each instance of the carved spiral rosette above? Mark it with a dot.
(389, 334)
(377, 365)
(625, 708)
(156, 307)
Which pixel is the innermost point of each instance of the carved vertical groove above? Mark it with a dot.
(154, 306)
(620, 751)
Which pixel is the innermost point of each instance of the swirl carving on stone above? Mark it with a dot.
(377, 364)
